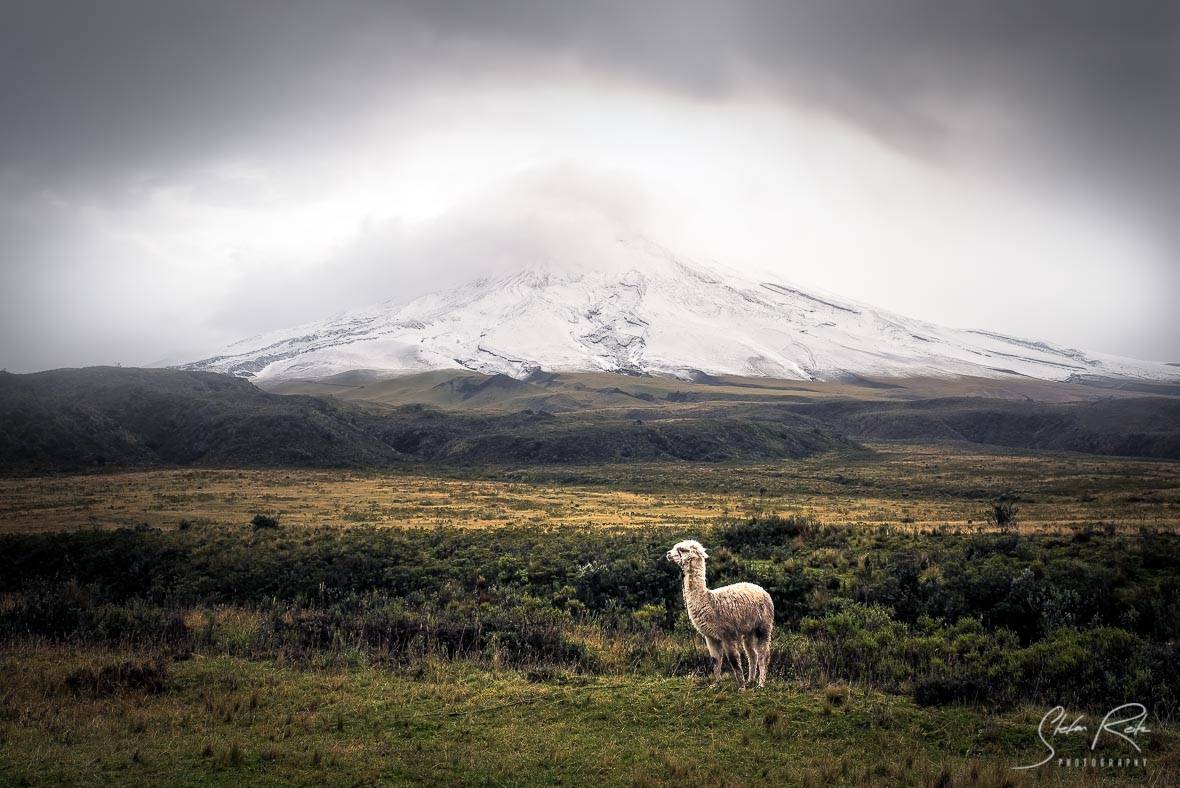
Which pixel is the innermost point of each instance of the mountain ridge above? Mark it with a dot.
(645, 311)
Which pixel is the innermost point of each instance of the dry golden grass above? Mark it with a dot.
(907, 486)
(164, 498)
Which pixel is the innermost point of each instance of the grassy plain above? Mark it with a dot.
(230, 721)
(900, 484)
(348, 647)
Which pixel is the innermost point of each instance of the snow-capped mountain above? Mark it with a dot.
(648, 312)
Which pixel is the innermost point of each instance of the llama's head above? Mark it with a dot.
(687, 553)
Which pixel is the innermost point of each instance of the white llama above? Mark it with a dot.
(733, 619)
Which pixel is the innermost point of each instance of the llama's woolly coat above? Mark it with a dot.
(730, 612)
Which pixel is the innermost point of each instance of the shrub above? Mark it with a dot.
(264, 521)
(859, 642)
(945, 690)
(1003, 512)
(1092, 667)
(757, 537)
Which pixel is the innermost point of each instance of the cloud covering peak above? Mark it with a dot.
(173, 175)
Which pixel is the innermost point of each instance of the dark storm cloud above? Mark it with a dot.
(93, 87)
(1089, 85)
(102, 100)
(135, 91)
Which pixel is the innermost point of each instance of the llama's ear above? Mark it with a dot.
(703, 553)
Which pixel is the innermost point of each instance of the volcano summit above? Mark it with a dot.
(649, 312)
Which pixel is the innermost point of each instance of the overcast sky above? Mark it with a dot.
(178, 175)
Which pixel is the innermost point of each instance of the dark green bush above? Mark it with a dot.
(950, 618)
(759, 537)
(1003, 512)
(946, 690)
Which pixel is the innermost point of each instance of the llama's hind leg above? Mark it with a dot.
(733, 650)
(762, 649)
(750, 649)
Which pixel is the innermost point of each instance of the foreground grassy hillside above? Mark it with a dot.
(230, 721)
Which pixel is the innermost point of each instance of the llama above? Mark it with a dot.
(733, 619)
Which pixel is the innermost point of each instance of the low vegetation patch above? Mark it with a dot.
(993, 618)
(264, 521)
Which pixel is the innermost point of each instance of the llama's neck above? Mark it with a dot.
(696, 592)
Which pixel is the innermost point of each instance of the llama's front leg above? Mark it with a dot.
(762, 649)
(718, 655)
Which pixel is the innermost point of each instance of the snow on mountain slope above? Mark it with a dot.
(643, 311)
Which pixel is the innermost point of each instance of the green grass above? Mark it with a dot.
(230, 721)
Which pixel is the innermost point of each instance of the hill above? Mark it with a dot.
(466, 391)
(68, 420)
(76, 419)
(71, 419)
(1093, 416)
(1141, 426)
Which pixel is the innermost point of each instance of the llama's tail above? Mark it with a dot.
(764, 625)
(765, 622)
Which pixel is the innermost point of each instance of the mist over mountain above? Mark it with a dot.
(642, 310)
